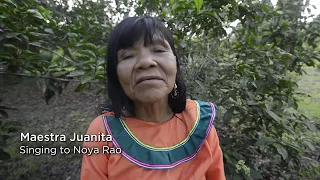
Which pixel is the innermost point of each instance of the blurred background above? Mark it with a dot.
(257, 61)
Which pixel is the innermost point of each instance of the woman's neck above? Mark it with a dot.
(158, 112)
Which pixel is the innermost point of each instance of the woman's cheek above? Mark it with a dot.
(124, 73)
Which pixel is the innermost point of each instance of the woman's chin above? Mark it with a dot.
(150, 97)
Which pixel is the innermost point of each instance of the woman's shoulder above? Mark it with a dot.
(198, 110)
(194, 103)
(97, 124)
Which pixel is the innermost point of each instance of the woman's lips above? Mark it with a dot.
(148, 78)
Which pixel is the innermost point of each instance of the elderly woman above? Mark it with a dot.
(161, 133)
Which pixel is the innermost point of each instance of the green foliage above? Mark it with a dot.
(40, 42)
(198, 4)
(247, 79)
(6, 128)
(245, 72)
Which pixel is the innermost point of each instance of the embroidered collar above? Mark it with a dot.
(162, 158)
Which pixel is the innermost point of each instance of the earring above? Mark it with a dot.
(175, 92)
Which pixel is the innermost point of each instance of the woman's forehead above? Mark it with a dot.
(155, 40)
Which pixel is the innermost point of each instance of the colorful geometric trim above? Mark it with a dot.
(165, 148)
(162, 158)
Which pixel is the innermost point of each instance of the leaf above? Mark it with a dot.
(255, 174)
(171, 2)
(59, 73)
(45, 55)
(88, 46)
(250, 94)
(100, 90)
(88, 53)
(80, 87)
(200, 84)
(225, 155)
(264, 141)
(183, 44)
(12, 35)
(280, 12)
(101, 63)
(273, 115)
(237, 177)
(281, 150)
(35, 13)
(293, 145)
(3, 68)
(139, 10)
(228, 114)
(48, 30)
(102, 51)
(198, 4)
(217, 17)
(41, 9)
(310, 145)
(47, 15)
(236, 155)
(12, 126)
(37, 44)
(10, 2)
(254, 84)
(86, 78)
(58, 54)
(218, 115)
(4, 113)
(209, 13)
(69, 69)
(76, 73)
(25, 38)
(265, 8)
(4, 155)
(11, 46)
(243, 82)
(224, 99)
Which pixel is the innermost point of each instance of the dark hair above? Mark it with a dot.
(125, 35)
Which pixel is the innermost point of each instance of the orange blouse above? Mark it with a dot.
(207, 164)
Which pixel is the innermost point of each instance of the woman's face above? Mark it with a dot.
(147, 73)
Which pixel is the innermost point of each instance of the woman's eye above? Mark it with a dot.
(127, 57)
(158, 51)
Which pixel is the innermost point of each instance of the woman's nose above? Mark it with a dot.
(146, 60)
